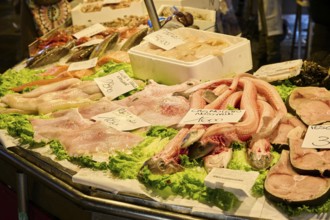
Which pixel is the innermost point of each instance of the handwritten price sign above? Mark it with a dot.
(164, 39)
(317, 136)
(211, 116)
(121, 119)
(115, 84)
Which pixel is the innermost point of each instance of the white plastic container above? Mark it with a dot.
(236, 58)
(106, 14)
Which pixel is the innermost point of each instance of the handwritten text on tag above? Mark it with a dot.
(121, 119)
(164, 39)
(211, 116)
(317, 136)
(115, 84)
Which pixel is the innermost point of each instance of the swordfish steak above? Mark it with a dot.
(283, 184)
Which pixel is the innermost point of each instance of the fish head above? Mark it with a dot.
(192, 137)
(160, 166)
(199, 150)
(260, 162)
(259, 155)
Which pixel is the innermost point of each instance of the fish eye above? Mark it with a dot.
(161, 165)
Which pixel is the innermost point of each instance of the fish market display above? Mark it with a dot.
(213, 140)
(54, 108)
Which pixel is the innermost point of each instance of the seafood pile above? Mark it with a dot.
(94, 6)
(71, 102)
(194, 47)
(62, 45)
(301, 176)
(56, 59)
(264, 111)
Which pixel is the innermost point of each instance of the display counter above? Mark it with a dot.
(49, 186)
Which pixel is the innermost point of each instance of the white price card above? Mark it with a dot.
(81, 65)
(164, 39)
(282, 70)
(90, 31)
(317, 136)
(238, 182)
(115, 84)
(211, 116)
(121, 119)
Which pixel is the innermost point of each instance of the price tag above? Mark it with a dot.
(115, 84)
(282, 70)
(238, 182)
(90, 31)
(90, 43)
(121, 119)
(211, 116)
(164, 39)
(317, 136)
(81, 65)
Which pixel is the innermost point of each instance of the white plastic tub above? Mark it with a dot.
(204, 4)
(106, 14)
(235, 58)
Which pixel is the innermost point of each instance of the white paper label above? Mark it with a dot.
(317, 136)
(164, 39)
(290, 68)
(90, 43)
(211, 116)
(81, 65)
(115, 84)
(121, 119)
(237, 181)
(90, 31)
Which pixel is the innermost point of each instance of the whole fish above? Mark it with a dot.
(107, 44)
(81, 54)
(49, 55)
(135, 39)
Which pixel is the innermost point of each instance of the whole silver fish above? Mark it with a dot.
(49, 55)
(107, 44)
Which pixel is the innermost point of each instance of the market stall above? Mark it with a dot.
(137, 123)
